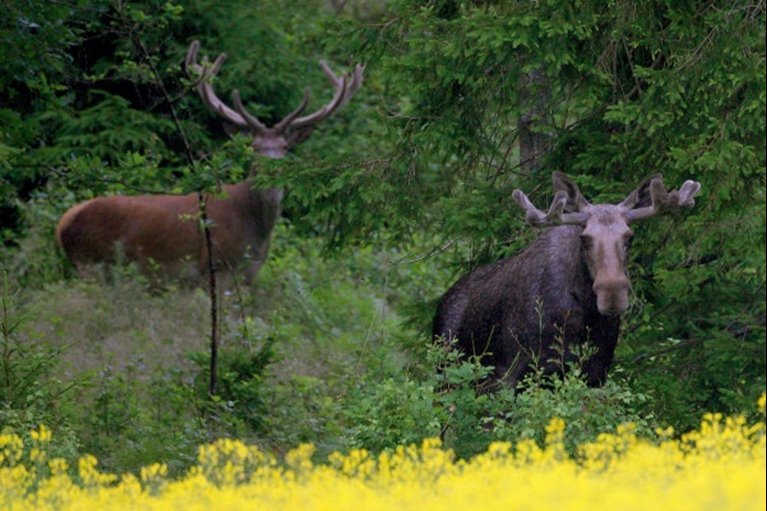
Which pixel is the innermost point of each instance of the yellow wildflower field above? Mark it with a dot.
(720, 466)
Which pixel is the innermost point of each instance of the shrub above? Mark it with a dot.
(30, 394)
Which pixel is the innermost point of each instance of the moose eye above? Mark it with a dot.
(586, 241)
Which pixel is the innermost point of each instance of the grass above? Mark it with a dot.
(138, 354)
(315, 352)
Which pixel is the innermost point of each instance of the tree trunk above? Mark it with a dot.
(535, 95)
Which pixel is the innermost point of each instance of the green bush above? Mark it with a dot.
(133, 418)
(453, 402)
(586, 411)
(241, 392)
(30, 393)
(382, 414)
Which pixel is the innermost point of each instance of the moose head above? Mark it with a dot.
(606, 234)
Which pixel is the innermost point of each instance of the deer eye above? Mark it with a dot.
(586, 241)
(627, 239)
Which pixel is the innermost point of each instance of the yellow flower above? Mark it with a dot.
(719, 466)
(41, 435)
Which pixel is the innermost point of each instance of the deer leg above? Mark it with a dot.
(251, 271)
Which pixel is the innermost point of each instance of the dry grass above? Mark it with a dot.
(117, 325)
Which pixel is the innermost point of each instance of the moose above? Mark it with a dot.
(156, 232)
(566, 289)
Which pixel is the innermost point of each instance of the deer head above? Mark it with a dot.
(606, 234)
(293, 129)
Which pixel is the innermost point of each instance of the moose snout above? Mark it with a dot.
(612, 295)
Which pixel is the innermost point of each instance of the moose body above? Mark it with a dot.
(521, 310)
(162, 232)
(567, 288)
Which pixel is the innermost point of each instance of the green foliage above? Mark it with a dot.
(241, 395)
(116, 397)
(382, 414)
(133, 419)
(384, 411)
(586, 411)
(474, 417)
(34, 38)
(30, 395)
(464, 409)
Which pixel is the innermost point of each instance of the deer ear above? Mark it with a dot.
(299, 135)
(641, 198)
(575, 201)
(231, 129)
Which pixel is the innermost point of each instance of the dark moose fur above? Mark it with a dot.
(496, 310)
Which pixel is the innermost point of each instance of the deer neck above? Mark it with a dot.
(264, 205)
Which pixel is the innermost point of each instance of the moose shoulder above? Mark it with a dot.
(159, 232)
(567, 288)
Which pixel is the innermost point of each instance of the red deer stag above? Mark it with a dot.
(155, 231)
(568, 287)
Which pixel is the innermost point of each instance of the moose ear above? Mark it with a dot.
(299, 135)
(641, 198)
(575, 201)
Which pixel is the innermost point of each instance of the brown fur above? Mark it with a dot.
(163, 230)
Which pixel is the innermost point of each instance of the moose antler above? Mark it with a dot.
(662, 200)
(344, 88)
(554, 216)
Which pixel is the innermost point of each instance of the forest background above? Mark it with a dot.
(388, 203)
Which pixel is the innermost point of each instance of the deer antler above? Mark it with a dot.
(287, 121)
(251, 120)
(203, 75)
(344, 86)
(662, 200)
(353, 85)
(554, 216)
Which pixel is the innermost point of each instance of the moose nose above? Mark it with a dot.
(612, 296)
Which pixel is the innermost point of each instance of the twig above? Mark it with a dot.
(687, 343)
(431, 252)
(202, 201)
(106, 180)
